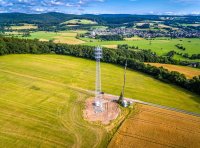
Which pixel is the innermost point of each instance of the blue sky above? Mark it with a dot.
(177, 7)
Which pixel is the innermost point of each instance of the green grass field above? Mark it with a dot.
(159, 45)
(42, 97)
(80, 22)
(68, 37)
(80, 73)
(99, 27)
(42, 112)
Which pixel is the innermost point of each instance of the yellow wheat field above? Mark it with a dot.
(189, 72)
(157, 128)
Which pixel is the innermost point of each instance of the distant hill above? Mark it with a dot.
(57, 18)
(34, 18)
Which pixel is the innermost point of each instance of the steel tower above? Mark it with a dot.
(98, 93)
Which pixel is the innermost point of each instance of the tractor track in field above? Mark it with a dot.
(73, 111)
(25, 106)
(164, 125)
(88, 92)
(72, 125)
(66, 125)
(32, 137)
(98, 135)
(144, 138)
(80, 90)
(168, 115)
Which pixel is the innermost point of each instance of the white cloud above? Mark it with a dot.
(39, 9)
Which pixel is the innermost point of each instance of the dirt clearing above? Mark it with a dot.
(110, 112)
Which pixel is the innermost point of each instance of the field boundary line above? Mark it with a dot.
(169, 115)
(156, 105)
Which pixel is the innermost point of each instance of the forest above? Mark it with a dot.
(45, 21)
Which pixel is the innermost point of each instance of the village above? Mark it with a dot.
(144, 33)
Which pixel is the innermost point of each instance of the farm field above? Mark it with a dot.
(160, 45)
(42, 98)
(68, 37)
(189, 72)
(24, 26)
(80, 22)
(153, 127)
(39, 112)
(77, 72)
(99, 27)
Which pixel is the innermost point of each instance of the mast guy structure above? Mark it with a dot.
(121, 98)
(98, 94)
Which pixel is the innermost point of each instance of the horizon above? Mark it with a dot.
(78, 7)
(101, 14)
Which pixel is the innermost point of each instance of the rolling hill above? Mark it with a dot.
(42, 98)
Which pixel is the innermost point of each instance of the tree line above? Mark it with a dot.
(118, 56)
(110, 37)
(172, 53)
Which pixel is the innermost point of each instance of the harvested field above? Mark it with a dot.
(24, 26)
(189, 72)
(68, 40)
(153, 127)
(110, 46)
(134, 38)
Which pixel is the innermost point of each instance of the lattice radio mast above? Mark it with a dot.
(98, 93)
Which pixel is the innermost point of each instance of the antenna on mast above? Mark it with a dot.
(121, 98)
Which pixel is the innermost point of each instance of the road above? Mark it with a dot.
(156, 105)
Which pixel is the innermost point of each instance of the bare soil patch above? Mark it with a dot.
(110, 112)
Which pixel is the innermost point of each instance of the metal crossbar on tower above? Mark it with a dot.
(98, 93)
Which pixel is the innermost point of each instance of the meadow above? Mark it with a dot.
(153, 127)
(42, 98)
(80, 22)
(68, 37)
(77, 72)
(159, 45)
(39, 112)
(189, 72)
